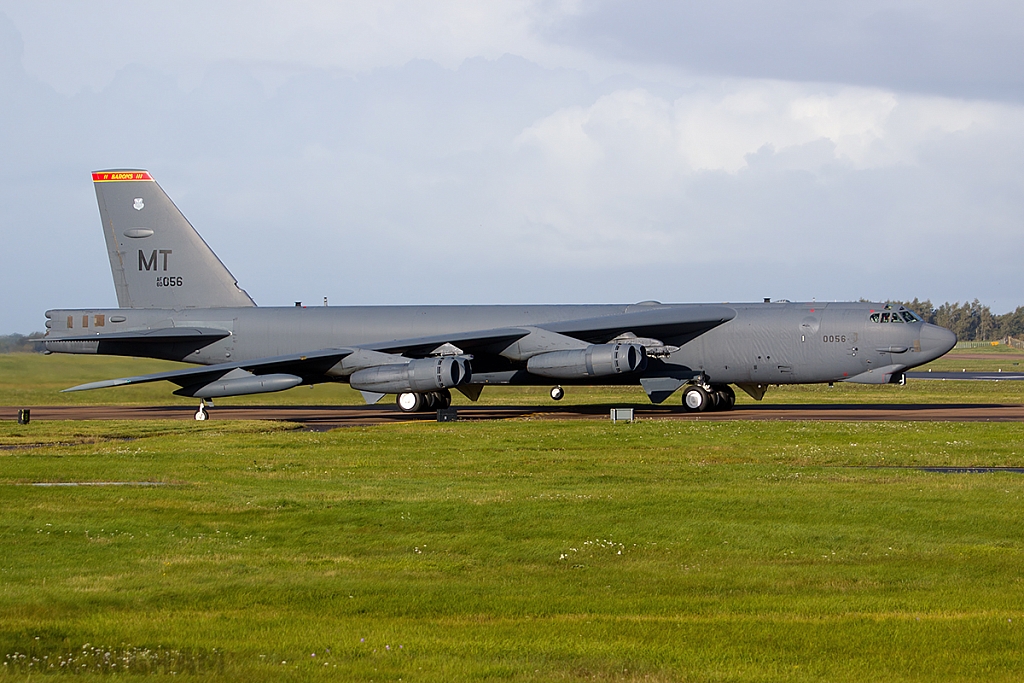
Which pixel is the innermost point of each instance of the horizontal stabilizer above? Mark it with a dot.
(166, 334)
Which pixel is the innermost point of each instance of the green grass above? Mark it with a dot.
(517, 550)
(36, 380)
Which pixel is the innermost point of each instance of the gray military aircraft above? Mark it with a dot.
(177, 301)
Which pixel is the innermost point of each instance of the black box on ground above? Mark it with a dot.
(447, 415)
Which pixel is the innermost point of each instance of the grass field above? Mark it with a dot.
(515, 550)
(33, 380)
(519, 550)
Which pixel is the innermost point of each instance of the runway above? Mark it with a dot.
(331, 417)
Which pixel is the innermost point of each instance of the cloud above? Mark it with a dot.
(184, 38)
(499, 179)
(947, 48)
(719, 126)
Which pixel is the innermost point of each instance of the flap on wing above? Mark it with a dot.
(310, 364)
(165, 334)
(467, 341)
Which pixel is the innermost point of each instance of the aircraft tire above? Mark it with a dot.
(696, 399)
(714, 401)
(429, 401)
(725, 397)
(557, 393)
(202, 413)
(730, 397)
(444, 399)
(409, 402)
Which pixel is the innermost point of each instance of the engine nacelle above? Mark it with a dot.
(421, 375)
(597, 360)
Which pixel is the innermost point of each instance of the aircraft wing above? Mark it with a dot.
(312, 364)
(673, 325)
(670, 324)
(976, 376)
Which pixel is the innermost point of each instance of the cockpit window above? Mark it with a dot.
(901, 316)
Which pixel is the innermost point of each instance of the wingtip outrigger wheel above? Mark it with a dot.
(202, 413)
(557, 393)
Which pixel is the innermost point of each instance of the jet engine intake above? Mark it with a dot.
(597, 360)
(420, 375)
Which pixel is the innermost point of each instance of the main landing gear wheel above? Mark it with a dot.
(443, 399)
(726, 396)
(202, 413)
(557, 393)
(696, 399)
(409, 402)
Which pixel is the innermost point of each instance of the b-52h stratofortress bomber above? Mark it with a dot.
(177, 301)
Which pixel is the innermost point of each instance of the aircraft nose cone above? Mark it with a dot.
(936, 341)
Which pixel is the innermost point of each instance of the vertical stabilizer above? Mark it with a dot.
(157, 258)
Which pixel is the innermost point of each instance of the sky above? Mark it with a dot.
(556, 151)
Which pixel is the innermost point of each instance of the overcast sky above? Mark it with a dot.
(504, 152)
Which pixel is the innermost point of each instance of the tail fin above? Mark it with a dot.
(157, 258)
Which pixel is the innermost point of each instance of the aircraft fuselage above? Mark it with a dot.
(767, 343)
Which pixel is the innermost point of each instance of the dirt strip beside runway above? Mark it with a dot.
(330, 417)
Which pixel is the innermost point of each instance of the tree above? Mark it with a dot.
(20, 343)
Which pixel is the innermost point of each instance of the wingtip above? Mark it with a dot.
(97, 385)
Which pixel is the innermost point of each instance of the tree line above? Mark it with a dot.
(20, 343)
(969, 321)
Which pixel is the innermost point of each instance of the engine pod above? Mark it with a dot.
(596, 360)
(420, 375)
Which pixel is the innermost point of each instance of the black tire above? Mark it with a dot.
(696, 399)
(730, 397)
(724, 396)
(430, 402)
(443, 399)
